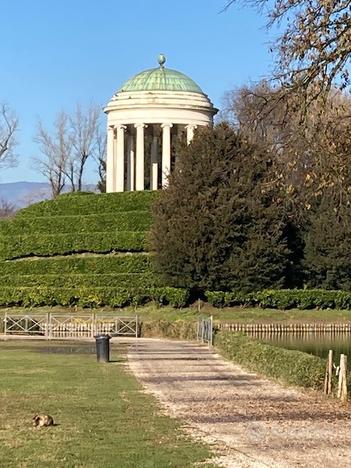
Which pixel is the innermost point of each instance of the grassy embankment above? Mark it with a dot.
(82, 249)
(103, 417)
(291, 367)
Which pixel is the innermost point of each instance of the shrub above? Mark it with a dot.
(218, 225)
(132, 280)
(282, 299)
(292, 367)
(228, 299)
(90, 296)
(179, 329)
(78, 224)
(57, 244)
(97, 264)
(74, 204)
(126, 221)
(177, 297)
(328, 247)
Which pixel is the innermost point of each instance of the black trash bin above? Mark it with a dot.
(103, 348)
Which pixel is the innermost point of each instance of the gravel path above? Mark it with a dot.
(252, 421)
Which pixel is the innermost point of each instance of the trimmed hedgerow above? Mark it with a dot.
(55, 244)
(126, 221)
(87, 204)
(91, 225)
(179, 329)
(90, 263)
(283, 299)
(91, 296)
(132, 280)
(289, 366)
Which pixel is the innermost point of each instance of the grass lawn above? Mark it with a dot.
(103, 418)
(227, 314)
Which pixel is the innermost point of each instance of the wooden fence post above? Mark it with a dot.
(49, 325)
(329, 374)
(211, 331)
(342, 387)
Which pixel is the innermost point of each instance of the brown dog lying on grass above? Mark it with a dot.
(42, 420)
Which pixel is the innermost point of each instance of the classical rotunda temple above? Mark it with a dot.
(144, 119)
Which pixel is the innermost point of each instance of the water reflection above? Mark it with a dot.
(312, 343)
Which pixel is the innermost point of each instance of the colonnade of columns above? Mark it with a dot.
(127, 155)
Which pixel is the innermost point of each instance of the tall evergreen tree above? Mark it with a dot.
(328, 246)
(220, 224)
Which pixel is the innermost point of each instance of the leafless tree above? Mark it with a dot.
(8, 129)
(56, 151)
(7, 209)
(100, 158)
(83, 132)
(35, 196)
(75, 138)
(310, 159)
(314, 49)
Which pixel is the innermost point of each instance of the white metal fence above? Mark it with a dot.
(54, 325)
(205, 330)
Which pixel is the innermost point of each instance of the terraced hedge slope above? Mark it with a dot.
(87, 249)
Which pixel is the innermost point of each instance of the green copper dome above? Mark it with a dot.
(161, 79)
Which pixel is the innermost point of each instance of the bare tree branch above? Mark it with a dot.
(7, 209)
(65, 151)
(100, 158)
(83, 131)
(313, 53)
(56, 152)
(310, 160)
(8, 129)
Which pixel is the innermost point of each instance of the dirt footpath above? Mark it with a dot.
(252, 421)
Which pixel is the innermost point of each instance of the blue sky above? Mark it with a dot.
(56, 53)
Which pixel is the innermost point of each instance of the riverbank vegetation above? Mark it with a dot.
(289, 366)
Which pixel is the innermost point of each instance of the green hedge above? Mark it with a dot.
(50, 244)
(126, 221)
(116, 280)
(179, 329)
(91, 297)
(283, 299)
(87, 204)
(292, 367)
(97, 264)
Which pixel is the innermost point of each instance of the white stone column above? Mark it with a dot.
(190, 132)
(110, 176)
(154, 164)
(130, 163)
(139, 163)
(120, 159)
(166, 152)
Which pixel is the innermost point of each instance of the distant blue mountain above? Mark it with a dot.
(22, 194)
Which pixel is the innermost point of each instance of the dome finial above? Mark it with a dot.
(161, 60)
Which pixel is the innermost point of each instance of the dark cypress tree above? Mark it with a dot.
(328, 246)
(220, 223)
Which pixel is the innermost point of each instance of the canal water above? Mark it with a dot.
(312, 343)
